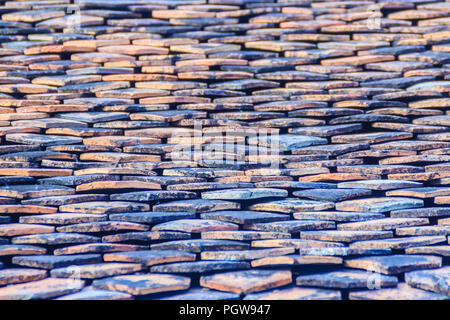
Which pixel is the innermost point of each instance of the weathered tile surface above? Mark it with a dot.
(401, 292)
(430, 280)
(345, 279)
(247, 281)
(395, 264)
(164, 146)
(41, 289)
(143, 284)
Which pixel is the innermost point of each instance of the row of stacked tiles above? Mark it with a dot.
(224, 149)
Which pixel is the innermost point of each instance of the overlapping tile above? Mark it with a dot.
(147, 145)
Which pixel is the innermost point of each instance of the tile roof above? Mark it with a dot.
(224, 149)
